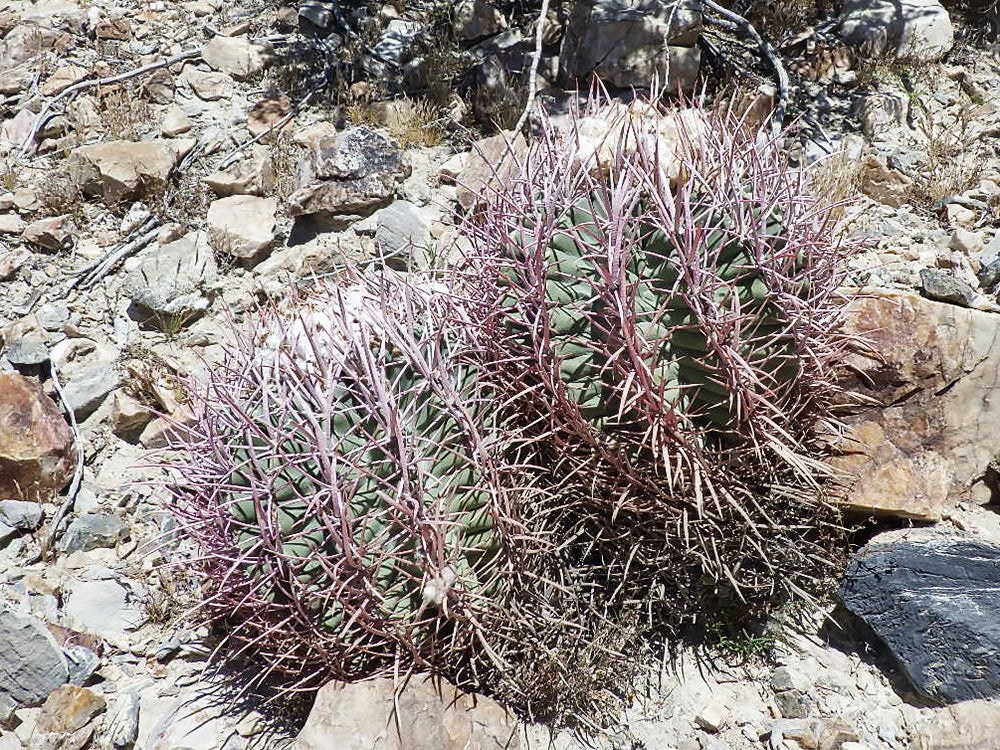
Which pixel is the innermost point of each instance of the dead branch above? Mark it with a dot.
(769, 53)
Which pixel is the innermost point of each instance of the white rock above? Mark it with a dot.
(237, 56)
(966, 242)
(175, 121)
(242, 225)
(918, 30)
(712, 717)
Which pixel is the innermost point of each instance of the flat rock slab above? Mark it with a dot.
(932, 597)
(935, 372)
(37, 451)
(31, 662)
(360, 717)
(120, 169)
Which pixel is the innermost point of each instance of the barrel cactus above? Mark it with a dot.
(662, 310)
(343, 494)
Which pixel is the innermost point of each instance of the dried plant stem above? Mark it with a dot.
(90, 275)
(533, 74)
(76, 88)
(74, 486)
(769, 53)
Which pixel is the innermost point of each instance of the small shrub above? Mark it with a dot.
(125, 115)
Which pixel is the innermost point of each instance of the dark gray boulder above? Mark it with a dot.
(933, 598)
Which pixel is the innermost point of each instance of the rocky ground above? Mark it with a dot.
(141, 215)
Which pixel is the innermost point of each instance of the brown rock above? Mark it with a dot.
(879, 182)
(970, 725)
(64, 77)
(37, 454)
(360, 717)
(68, 709)
(114, 28)
(934, 373)
(267, 113)
(118, 169)
(53, 233)
(128, 415)
(502, 150)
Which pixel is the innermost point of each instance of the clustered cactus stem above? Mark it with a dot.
(660, 310)
(343, 493)
(610, 410)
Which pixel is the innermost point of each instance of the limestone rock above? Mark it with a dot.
(502, 151)
(20, 514)
(52, 233)
(353, 172)
(251, 175)
(93, 531)
(935, 364)
(174, 283)
(970, 725)
(403, 230)
(242, 225)
(118, 169)
(237, 56)
(628, 42)
(912, 30)
(359, 717)
(931, 597)
(208, 86)
(11, 224)
(175, 121)
(31, 663)
(37, 453)
(475, 19)
(102, 607)
(945, 287)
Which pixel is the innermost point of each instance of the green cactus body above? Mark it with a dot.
(680, 355)
(273, 487)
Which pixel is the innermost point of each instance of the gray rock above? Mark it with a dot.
(175, 283)
(31, 663)
(624, 42)
(52, 316)
(403, 231)
(399, 41)
(931, 597)
(917, 30)
(353, 172)
(102, 607)
(86, 390)
(93, 531)
(944, 287)
(29, 350)
(82, 663)
(22, 515)
(125, 723)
